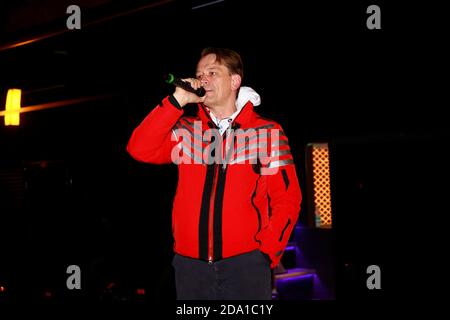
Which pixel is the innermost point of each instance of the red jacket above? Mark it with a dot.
(223, 210)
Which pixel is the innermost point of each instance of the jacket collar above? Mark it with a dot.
(243, 119)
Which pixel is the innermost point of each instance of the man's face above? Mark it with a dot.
(217, 81)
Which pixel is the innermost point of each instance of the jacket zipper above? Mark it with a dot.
(212, 200)
(212, 197)
(211, 216)
(212, 203)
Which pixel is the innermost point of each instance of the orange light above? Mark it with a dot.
(2, 289)
(12, 110)
(321, 185)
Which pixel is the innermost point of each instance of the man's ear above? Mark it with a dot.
(235, 81)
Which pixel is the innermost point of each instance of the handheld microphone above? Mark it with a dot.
(170, 78)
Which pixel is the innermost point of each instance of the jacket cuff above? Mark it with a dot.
(174, 102)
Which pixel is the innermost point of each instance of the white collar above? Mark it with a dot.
(246, 94)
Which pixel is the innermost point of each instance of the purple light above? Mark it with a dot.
(296, 278)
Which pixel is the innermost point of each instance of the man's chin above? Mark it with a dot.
(207, 100)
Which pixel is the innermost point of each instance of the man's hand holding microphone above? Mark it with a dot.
(187, 91)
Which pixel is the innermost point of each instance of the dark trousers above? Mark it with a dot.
(243, 277)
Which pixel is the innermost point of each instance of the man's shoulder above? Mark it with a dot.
(189, 123)
(265, 123)
(188, 119)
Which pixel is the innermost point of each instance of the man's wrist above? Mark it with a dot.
(174, 102)
(179, 100)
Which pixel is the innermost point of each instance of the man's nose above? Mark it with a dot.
(203, 80)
